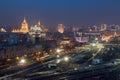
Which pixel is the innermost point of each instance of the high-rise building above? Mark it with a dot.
(103, 27)
(60, 28)
(24, 28)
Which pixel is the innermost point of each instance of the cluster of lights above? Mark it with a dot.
(22, 62)
(66, 59)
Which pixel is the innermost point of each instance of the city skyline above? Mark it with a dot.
(59, 40)
(67, 12)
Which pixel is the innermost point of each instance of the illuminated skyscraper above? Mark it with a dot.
(23, 29)
(60, 28)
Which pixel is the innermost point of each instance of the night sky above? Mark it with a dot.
(53, 12)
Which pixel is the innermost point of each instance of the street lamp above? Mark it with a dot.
(58, 61)
(25, 55)
(96, 39)
(58, 50)
(93, 44)
(66, 58)
(22, 62)
(17, 58)
(58, 56)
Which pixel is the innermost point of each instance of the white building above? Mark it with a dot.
(37, 33)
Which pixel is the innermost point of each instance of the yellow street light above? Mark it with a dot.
(17, 58)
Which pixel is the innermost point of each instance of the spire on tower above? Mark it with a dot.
(24, 21)
(24, 27)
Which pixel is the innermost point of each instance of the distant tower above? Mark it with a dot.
(95, 27)
(117, 27)
(24, 27)
(60, 28)
(103, 27)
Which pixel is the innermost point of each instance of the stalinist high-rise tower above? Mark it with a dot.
(24, 28)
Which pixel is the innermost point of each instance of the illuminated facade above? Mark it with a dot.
(108, 36)
(37, 33)
(79, 37)
(24, 28)
(2, 30)
(37, 29)
(60, 28)
(65, 41)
